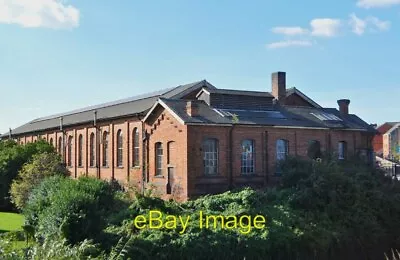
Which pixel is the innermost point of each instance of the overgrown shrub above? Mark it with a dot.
(12, 157)
(71, 209)
(41, 166)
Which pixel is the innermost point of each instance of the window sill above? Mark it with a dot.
(119, 167)
(105, 167)
(80, 167)
(92, 167)
(212, 175)
(249, 175)
(159, 176)
(135, 167)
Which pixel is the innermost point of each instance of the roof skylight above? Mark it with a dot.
(326, 116)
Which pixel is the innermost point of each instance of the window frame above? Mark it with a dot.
(92, 151)
(210, 156)
(120, 149)
(158, 158)
(248, 165)
(342, 150)
(135, 148)
(69, 151)
(105, 149)
(80, 150)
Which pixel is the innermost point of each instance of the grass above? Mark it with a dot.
(10, 222)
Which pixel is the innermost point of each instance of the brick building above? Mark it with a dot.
(378, 142)
(196, 139)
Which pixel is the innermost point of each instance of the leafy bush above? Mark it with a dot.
(32, 173)
(12, 157)
(71, 209)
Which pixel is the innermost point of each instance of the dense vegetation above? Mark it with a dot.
(12, 157)
(323, 209)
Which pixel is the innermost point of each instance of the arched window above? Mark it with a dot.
(92, 151)
(314, 149)
(51, 141)
(282, 149)
(342, 150)
(69, 151)
(158, 158)
(248, 157)
(210, 156)
(80, 151)
(59, 147)
(135, 147)
(105, 149)
(119, 149)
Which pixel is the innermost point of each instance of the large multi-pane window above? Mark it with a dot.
(80, 151)
(135, 147)
(92, 150)
(210, 156)
(159, 158)
(120, 148)
(248, 157)
(69, 151)
(342, 150)
(105, 149)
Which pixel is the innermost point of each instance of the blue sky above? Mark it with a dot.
(57, 56)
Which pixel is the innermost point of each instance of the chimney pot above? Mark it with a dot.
(192, 109)
(344, 106)
(279, 86)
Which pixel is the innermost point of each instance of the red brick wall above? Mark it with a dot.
(296, 100)
(164, 128)
(377, 142)
(185, 153)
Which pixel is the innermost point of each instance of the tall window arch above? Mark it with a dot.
(282, 149)
(105, 149)
(69, 151)
(210, 156)
(248, 157)
(135, 147)
(80, 151)
(342, 150)
(314, 149)
(59, 147)
(51, 141)
(92, 151)
(159, 158)
(119, 149)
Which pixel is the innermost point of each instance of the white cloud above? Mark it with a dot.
(289, 43)
(379, 24)
(289, 30)
(358, 25)
(325, 27)
(39, 13)
(377, 3)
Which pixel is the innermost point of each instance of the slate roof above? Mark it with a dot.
(276, 116)
(121, 108)
(240, 92)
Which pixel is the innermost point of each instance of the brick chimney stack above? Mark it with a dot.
(344, 106)
(192, 109)
(279, 86)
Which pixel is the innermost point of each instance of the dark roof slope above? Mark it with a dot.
(276, 116)
(120, 108)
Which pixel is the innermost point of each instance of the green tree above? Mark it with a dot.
(32, 173)
(12, 157)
